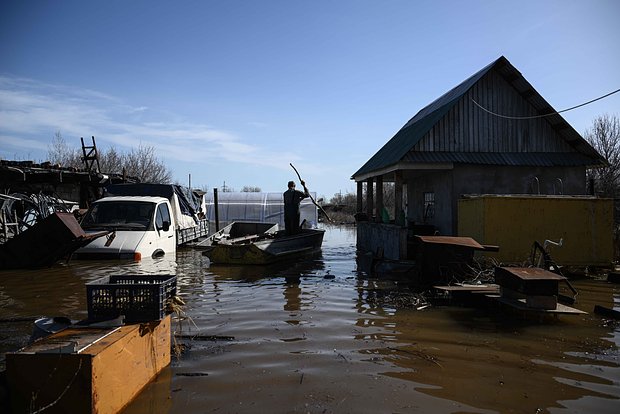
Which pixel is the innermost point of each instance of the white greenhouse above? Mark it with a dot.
(259, 207)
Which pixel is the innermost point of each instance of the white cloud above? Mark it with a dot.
(31, 112)
(16, 142)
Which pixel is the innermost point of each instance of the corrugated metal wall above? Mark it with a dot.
(514, 222)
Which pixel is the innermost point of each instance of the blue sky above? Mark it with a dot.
(233, 91)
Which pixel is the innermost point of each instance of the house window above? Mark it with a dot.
(429, 206)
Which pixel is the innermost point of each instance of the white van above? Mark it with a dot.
(141, 226)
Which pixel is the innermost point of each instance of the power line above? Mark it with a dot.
(542, 116)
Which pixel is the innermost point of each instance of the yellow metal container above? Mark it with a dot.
(584, 224)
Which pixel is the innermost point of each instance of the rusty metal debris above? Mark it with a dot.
(44, 243)
(19, 211)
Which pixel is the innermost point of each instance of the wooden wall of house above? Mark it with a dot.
(449, 185)
(439, 182)
(480, 179)
(467, 128)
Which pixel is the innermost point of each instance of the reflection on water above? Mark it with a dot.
(320, 336)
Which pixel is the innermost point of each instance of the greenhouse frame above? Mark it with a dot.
(257, 207)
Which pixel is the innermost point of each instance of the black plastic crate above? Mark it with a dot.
(140, 298)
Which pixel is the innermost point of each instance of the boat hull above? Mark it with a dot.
(269, 250)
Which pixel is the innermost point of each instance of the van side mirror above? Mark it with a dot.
(165, 225)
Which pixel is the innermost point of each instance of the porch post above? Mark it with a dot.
(379, 199)
(369, 198)
(399, 216)
(360, 194)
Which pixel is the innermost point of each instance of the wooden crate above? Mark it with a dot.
(87, 370)
(530, 281)
(538, 287)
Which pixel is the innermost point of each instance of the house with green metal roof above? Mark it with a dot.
(491, 134)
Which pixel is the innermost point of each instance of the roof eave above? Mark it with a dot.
(403, 166)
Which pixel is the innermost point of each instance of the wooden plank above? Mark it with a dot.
(451, 129)
(531, 273)
(485, 115)
(475, 118)
(521, 305)
(541, 301)
(442, 134)
(490, 288)
(451, 240)
(124, 364)
(511, 124)
(493, 94)
(244, 239)
(613, 277)
(607, 312)
(457, 136)
(460, 137)
(430, 140)
(470, 124)
(499, 104)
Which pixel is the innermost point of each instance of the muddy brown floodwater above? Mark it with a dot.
(321, 336)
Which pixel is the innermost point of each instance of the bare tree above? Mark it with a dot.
(59, 153)
(604, 136)
(144, 164)
(111, 161)
(141, 163)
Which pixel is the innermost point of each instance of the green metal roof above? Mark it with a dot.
(412, 132)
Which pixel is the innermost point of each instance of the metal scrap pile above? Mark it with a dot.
(19, 212)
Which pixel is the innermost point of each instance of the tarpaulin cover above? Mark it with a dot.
(188, 203)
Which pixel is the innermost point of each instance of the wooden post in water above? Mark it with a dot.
(379, 199)
(216, 210)
(360, 195)
(370, 203)
(399, 217)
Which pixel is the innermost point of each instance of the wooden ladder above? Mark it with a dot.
(90, 157)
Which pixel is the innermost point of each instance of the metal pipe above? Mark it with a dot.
(23, 173)
(537, 185)
(561, 185)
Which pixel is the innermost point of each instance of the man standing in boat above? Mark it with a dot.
(292, 198)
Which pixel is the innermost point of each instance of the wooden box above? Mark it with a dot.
(529, 281)
(538, 287)
(87, 370)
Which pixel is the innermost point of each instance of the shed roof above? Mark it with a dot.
(530, 159)
(398, 148)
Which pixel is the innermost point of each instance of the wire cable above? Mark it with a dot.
(544, 115)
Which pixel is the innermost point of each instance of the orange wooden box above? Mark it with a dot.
(87, 370)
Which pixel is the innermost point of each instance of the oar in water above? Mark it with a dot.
(314, 202)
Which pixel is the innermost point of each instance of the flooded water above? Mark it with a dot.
(321, 336)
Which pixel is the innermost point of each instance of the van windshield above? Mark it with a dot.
(125, 215)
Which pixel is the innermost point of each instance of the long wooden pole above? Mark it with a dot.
(314, 202)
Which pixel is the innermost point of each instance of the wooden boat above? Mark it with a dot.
(251, 243)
